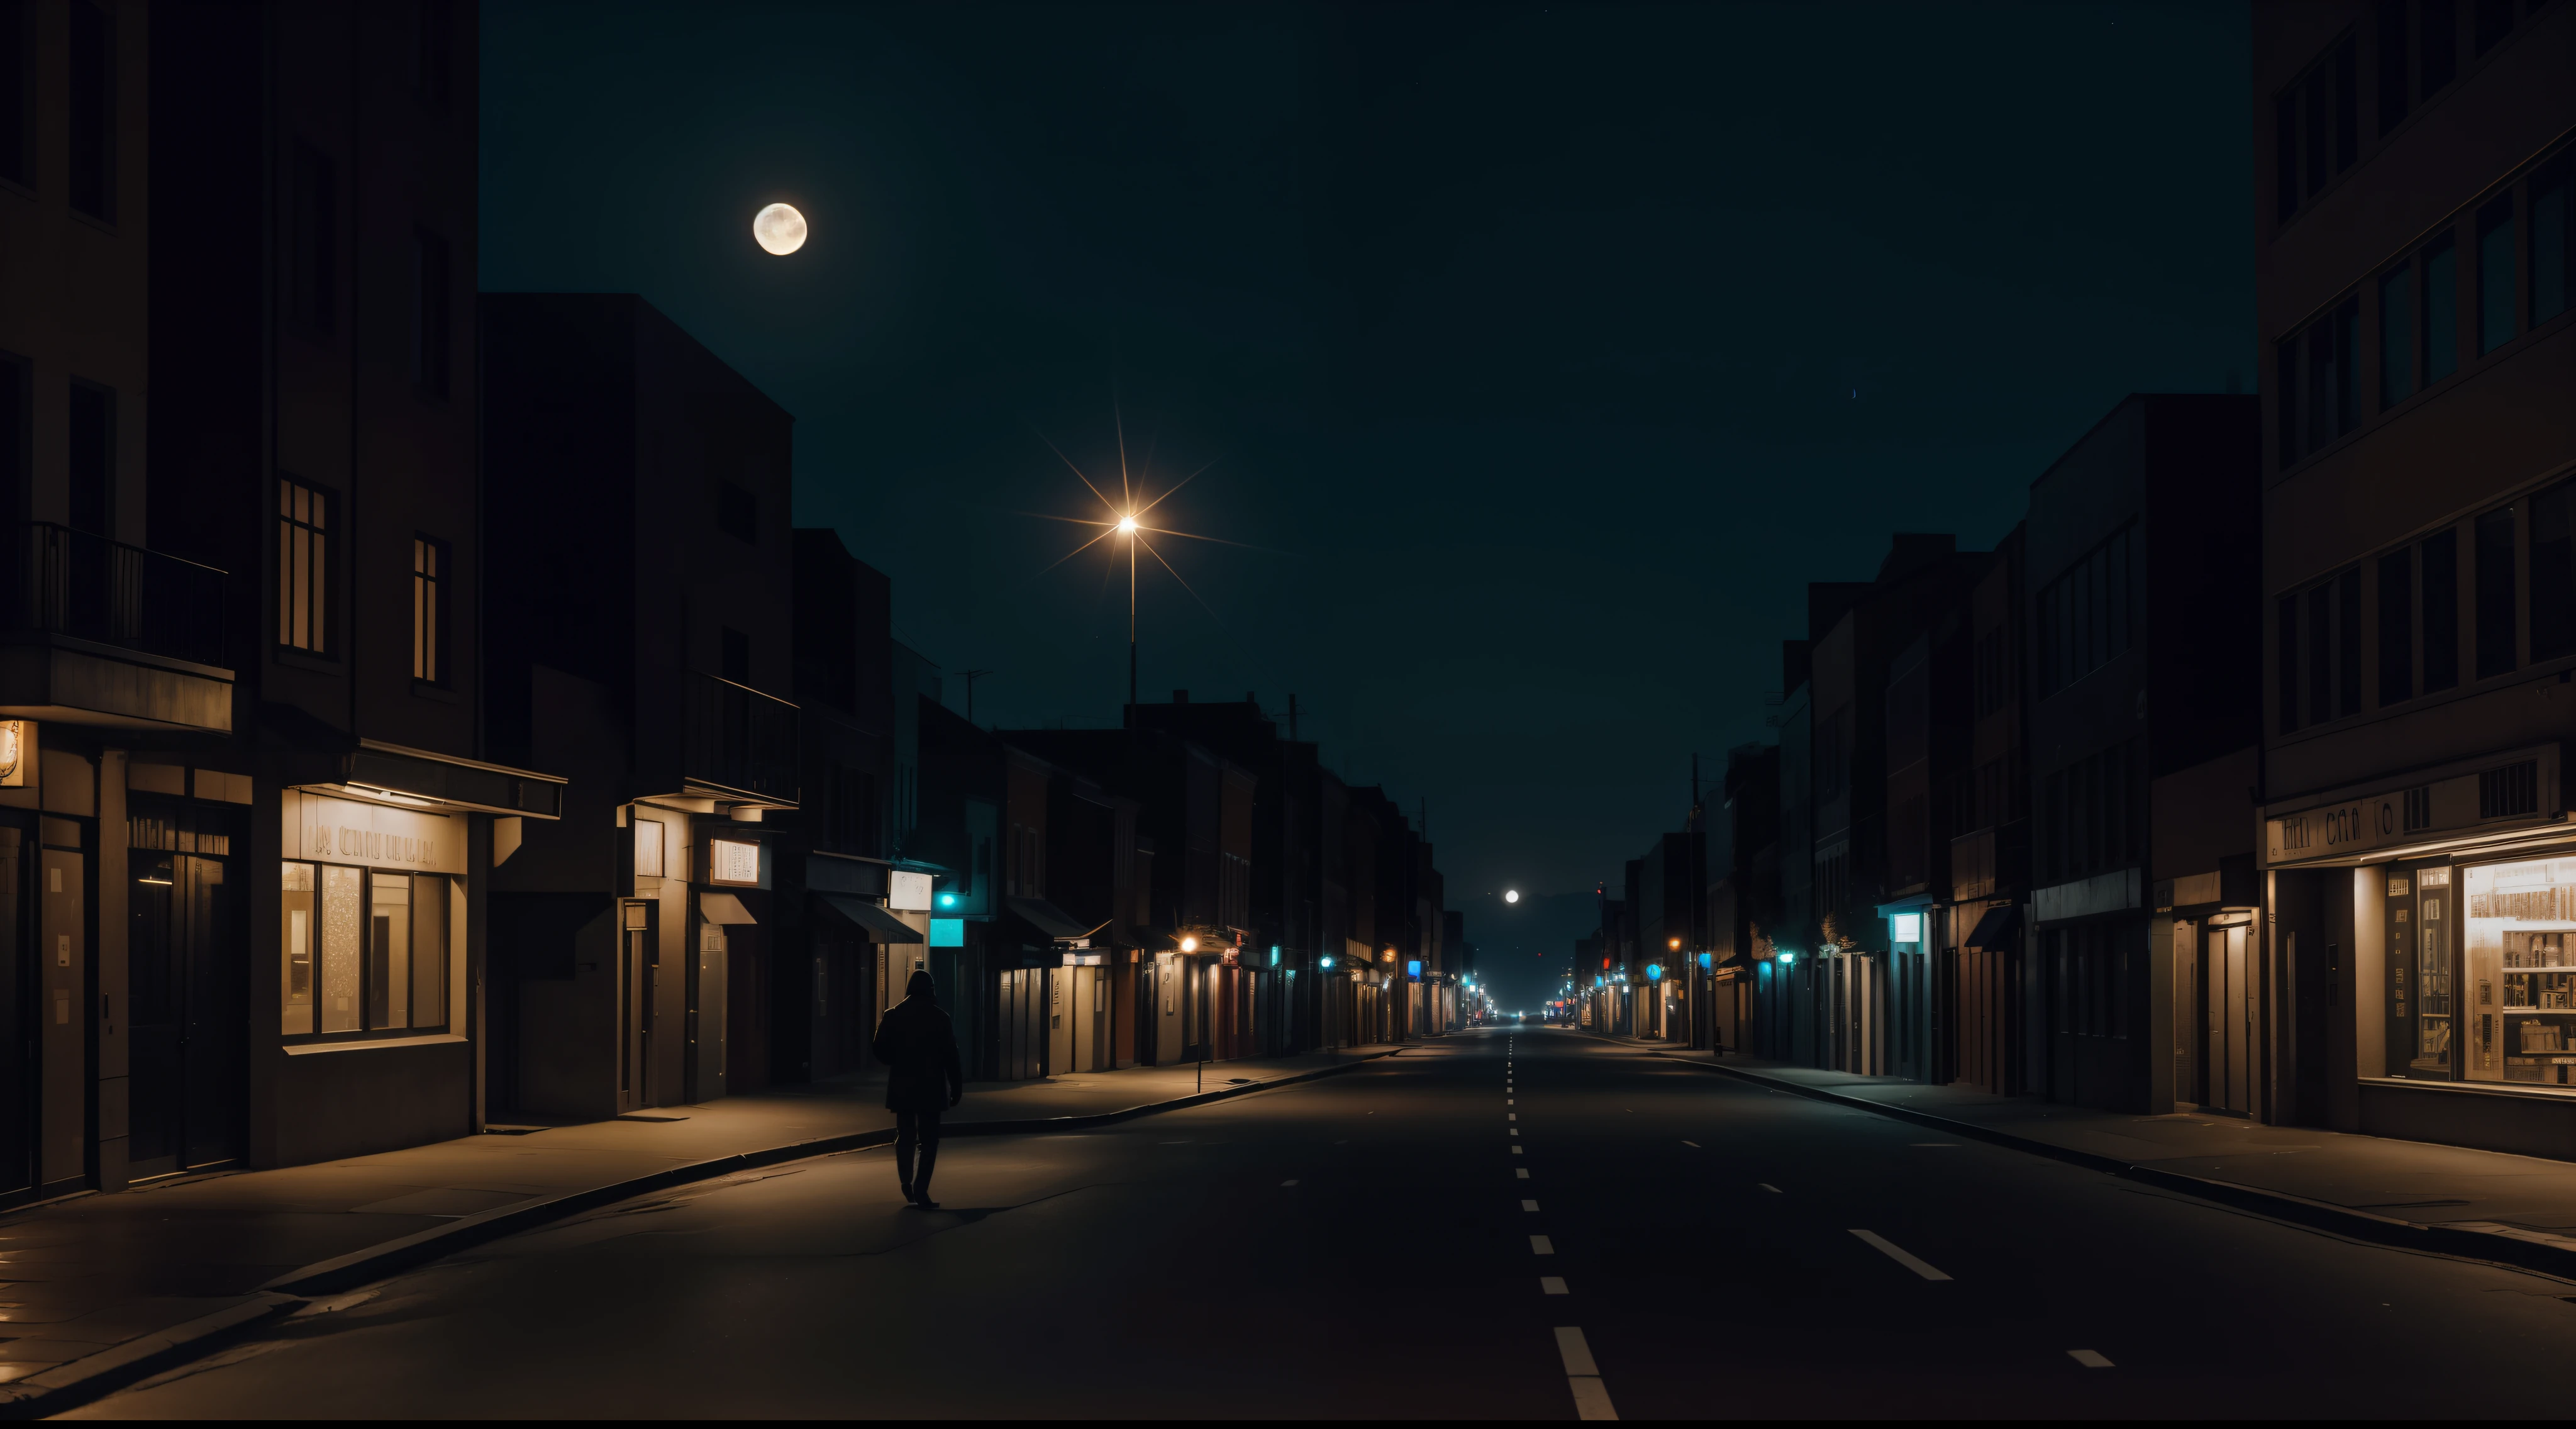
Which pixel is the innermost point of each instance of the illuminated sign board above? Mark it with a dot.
(947, 932)
(908, 892)
(733, 862)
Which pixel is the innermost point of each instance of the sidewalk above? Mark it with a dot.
(96, 1285)
(2485, 1205)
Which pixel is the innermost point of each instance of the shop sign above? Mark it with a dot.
(375, 835)
(908, 892)
(733, 863)
(2504, 796)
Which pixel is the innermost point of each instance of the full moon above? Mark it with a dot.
(779, 228)
(1511, 895)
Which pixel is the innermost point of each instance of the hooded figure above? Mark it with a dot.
(919, 1049)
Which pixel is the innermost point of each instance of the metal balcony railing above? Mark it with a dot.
(66, 582)
(740, 739)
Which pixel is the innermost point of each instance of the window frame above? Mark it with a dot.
(433, 581)
(365, 995)
(317, 533)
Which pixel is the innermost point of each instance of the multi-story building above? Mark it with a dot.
(646, 556)
(2140, 543)
(315, 433)
(1989, 833)
(2419, 571)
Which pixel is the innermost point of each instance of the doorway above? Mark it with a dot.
(639, 961)
(2225, 1076)
(184, 1017)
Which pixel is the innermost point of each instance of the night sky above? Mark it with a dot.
(1537, 355)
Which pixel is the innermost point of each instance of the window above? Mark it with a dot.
(2495, 274)
(2316, 388)
(2321, 654)
(2397, 335)
(734, 649)
(737, 512)
(2316, 127)
(92, 130)
(313, 285)
(2438, 36)
(2495, 593)
(2441, 325)
(2286, 635)
(2089, 812)
(92, 467)
(2084, 615)
(2440, 554)
(2393, 55)
(361, 950)
(304, 567)
(853, 813)
(434, 54)
(1829, 757)
(2348, 643)
(2553, 572)
(2553, 244)
(17, 89)
(430, 329)
(429, 622)
(2396, 627)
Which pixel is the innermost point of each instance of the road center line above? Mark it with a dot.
(1895, 1253)
(1767, 1186)
(1289, 1182)
(1530, 1206)
(1582, 1375)
(1516, 1149)
(1693, 1145)
(2091, 1359)
(1552, 1285)
(1520, 1172)
(1541, 1245)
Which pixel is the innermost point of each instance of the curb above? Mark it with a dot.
(377, 1261)
(2505, 1248)
(82, 1380)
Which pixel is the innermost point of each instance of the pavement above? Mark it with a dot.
(95, 1286)
(1506, 1224)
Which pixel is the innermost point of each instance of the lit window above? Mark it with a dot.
(429, 624)
(303, 567)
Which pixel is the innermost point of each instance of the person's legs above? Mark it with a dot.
(928, 1124)
(907, 1127)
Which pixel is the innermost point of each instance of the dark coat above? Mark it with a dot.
(919, 1049)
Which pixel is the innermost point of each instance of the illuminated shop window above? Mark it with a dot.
(2519, 964)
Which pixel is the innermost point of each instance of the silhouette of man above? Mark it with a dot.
(919, 1049)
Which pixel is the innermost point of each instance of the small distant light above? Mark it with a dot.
(1328, 961)
(947, 900)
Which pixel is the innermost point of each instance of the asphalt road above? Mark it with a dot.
(1503, 1225)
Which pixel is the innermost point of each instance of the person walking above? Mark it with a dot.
(919, 1049)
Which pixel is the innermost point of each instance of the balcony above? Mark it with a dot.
(740, 743)
(100, 632)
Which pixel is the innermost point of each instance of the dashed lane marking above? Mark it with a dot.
(1520, 1172)
(2091, 1359)
(1289, 1182)
(1767, 1186)
(1591, 1399)
(1693, 1145)
(1516, 1148)
(1541, 1245)
(1530, 1206)
(1552, 1285)
(1898, 1254)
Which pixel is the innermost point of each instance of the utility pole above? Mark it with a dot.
(970, 676)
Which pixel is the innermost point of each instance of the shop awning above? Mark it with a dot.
(1996, 928)
(723, 908)
(880, 925)
(1046, 918)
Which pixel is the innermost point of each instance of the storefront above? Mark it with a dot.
(378, 1036)
(2456, 897)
